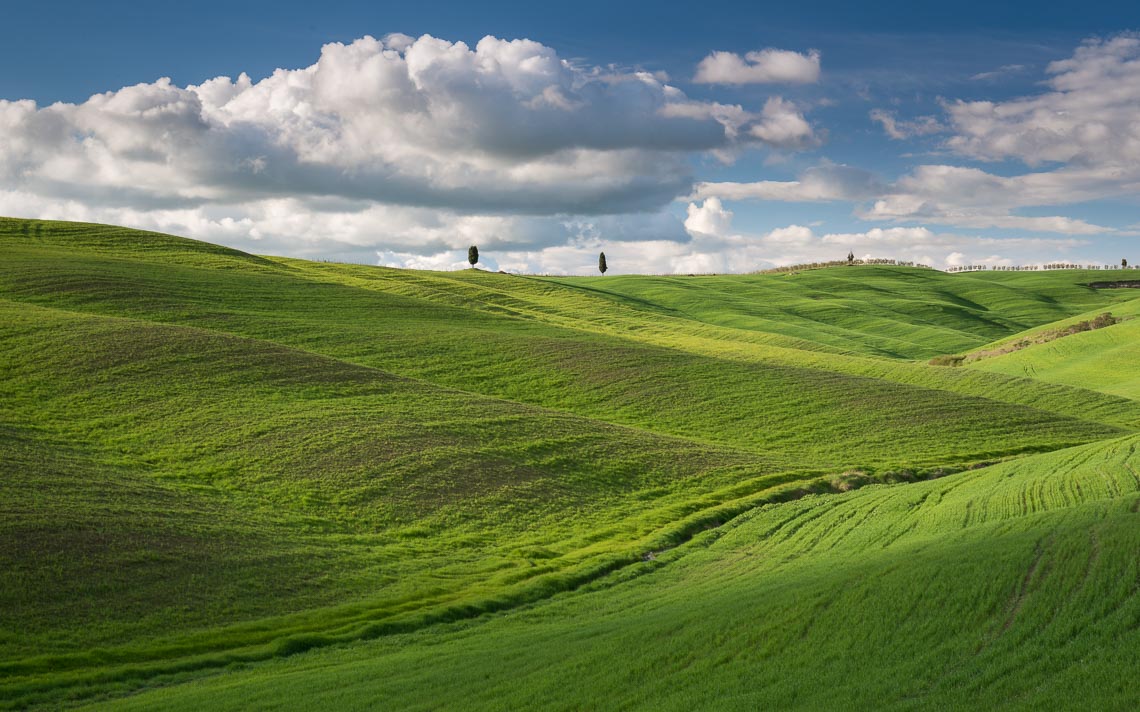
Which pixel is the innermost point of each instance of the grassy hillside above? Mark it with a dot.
(518, 338)
(331, 483)
(216, 459)
(1104, 360)
(884, 311)
(1010, 587)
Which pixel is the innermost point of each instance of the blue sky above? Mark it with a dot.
(945, 133)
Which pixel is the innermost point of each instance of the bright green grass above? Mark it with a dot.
(886, 311)
(333, 483)
(642, 322)
(336, 488)
(217, 458)
(1013, 587)
(1103, 360)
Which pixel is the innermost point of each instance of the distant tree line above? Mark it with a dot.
(1035, 268)
(851, 260)
(473, 258)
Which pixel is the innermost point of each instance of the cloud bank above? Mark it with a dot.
(1088, 118)
(1082, 135)
(717, 247)
(505, 126)
(407, 144)
(406, 150)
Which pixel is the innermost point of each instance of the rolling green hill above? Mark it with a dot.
(886, 311)
(217, 461)
(1104, 360)
(1010, 587)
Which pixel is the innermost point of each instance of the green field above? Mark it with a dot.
(1105, 359)
(233, 481)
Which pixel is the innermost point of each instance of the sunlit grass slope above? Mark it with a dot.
(1013, 587)
(213, 458)
(887, 311)
(643, 322)
(1104, 360)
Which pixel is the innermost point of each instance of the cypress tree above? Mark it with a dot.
(602, 263)
(473, 255)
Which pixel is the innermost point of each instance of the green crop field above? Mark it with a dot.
(1104, 359)
(234, 481)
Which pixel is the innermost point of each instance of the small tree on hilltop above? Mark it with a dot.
(850, 258)
(602, 263)
(1124, 264)
(473, 255)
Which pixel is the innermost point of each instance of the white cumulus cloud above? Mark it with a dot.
(1088, 117)
(399, 144)
(970, 197)
(505, 126)
(1082, 135)
(766, 66)
(709, 218)
(781, 124)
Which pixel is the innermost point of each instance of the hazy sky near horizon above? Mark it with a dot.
(676, 137)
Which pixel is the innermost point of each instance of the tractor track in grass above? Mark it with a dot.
(1017, 600)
